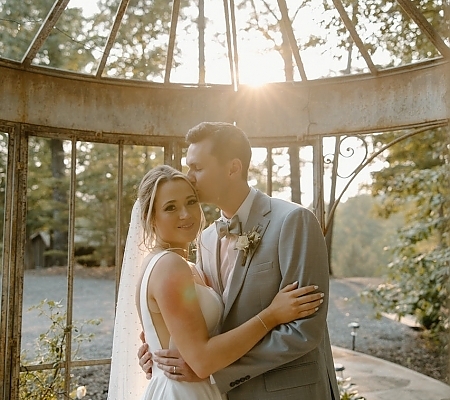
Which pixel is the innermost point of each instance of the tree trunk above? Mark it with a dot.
(59, 236)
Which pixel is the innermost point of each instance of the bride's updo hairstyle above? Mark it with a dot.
(147, 194)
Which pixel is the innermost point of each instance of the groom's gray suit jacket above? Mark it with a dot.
(294, 361)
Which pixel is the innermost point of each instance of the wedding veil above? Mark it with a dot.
(127, 380)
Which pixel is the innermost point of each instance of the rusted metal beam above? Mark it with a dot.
(415, 14)
(70, 269)
(201, 42)
(235, 48)
(172, 34)
(112, 36)
(13, 258)
(7, 267)
(351, 29)
(400, 98)
(318, 200)
(119, 246)
(45, 30)
(285, 20)
(233, 72)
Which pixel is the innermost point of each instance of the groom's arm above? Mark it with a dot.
(145, 357)
(302, 256)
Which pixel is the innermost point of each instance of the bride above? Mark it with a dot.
(174, 306)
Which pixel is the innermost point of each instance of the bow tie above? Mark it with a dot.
(233, 227)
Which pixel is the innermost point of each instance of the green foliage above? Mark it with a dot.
(16, 32)
(47, 190)
(51, 349)
(417, 285)
(141, 45)
(384, 26)
(415, 181)
(360, 238)
(21, 21)
(97, 194)
(418, 279)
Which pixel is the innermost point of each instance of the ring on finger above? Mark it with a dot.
(174, 369)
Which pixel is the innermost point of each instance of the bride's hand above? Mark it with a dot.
(174, 367)
(293, 303)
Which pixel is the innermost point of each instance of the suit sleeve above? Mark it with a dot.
(302, 255)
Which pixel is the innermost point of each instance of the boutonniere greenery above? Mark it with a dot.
(247, 242)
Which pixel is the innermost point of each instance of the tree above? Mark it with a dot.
(140, 50)
(360, 238)
(384, 26)
(97, 195)
(419, 275)
(416, 178)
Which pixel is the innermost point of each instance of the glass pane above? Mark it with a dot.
(45, 279)
(20, 22)
(140, 50)
(77, 40)
(95, 236)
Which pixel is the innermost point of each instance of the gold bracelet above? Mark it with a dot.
(265, 326)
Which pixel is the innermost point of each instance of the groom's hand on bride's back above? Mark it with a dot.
(145, 357)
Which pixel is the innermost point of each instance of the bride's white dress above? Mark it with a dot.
(160, 387)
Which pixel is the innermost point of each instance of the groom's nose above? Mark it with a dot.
(191, 176)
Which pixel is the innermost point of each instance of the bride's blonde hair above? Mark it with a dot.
(146, 194)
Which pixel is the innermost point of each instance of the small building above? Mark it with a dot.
(36, 247)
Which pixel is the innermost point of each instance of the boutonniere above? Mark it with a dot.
(247, 242)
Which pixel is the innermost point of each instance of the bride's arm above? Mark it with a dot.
(172, 287)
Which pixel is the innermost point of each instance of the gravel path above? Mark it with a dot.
(94, 298)
(346, 306)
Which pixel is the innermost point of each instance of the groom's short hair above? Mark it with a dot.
(228, 142)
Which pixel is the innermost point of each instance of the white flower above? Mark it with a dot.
(81, 392)
(242, 242)
(247, 242)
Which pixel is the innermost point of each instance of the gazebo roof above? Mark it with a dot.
(130, 66)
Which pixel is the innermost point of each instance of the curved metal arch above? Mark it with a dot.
(364, 164)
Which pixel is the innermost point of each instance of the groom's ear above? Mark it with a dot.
(235, 168)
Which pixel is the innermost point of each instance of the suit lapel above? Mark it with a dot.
(218, 265)
(257, 218)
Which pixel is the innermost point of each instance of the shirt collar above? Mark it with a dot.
(244, 210)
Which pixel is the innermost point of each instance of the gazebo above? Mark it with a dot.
(101, 103)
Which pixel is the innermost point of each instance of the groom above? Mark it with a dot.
(293, 361)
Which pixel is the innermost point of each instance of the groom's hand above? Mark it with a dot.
(145, 357)
(174, 367)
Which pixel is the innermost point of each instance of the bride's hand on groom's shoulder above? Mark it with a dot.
(174, 367)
